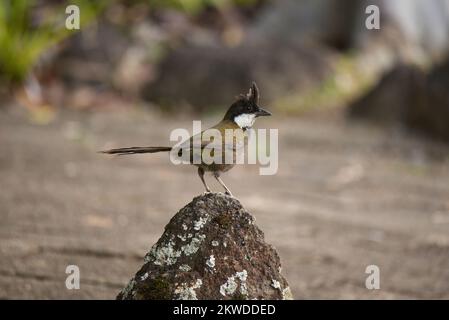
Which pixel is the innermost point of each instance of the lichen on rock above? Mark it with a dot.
(231, 285)
(211, 249)
(211, 262)
(187, 292)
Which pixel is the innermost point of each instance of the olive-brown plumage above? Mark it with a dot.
(239, 117)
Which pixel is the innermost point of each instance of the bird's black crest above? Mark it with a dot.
(253, 93)
(246, 103)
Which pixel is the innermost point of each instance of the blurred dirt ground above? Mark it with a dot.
(345, 197)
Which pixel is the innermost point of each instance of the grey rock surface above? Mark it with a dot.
(211, 249)
(390, 101)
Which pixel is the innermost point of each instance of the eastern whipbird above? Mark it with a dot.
(240, 117)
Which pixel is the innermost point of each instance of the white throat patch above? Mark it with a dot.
(245, 120)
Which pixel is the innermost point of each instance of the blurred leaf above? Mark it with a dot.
(22, 43)
(195, 6)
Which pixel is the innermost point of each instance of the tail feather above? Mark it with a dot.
(136, 150)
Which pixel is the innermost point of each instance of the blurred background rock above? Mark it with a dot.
(328, 79)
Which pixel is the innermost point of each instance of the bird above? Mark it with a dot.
(239, 117)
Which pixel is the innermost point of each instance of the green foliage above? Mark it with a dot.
(195, 6)
(22, 40)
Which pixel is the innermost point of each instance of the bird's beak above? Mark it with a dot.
(262, 113)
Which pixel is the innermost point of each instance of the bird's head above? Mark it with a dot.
(246, 109)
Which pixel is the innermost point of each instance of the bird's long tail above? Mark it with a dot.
(136, 150)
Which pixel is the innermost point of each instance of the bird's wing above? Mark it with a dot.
(208, 142)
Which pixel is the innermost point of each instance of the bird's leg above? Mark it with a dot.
(217, 176)
(201, 174)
